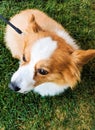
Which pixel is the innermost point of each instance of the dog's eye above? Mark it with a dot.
(42, 71)
(24, 59)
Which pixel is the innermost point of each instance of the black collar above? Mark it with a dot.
(14, 27)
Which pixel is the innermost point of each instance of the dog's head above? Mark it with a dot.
(49, 63)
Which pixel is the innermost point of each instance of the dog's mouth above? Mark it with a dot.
(25, 92)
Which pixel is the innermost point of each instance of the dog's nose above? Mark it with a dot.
(14, 86)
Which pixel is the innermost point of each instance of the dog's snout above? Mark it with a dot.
(14, 86)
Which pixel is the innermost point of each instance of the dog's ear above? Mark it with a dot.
(78, 59)
(33, 25)
(81, 57)
(32, 19)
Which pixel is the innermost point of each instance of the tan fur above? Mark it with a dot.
(64, 65)
(23, 21)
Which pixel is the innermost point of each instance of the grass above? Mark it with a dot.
(72, 110)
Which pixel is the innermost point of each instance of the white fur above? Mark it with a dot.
(43, 49)
(69, 40)
(23, 77)
(49, 89)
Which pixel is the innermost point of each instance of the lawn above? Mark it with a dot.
(72, 110)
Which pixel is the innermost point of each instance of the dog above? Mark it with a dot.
(50, 60)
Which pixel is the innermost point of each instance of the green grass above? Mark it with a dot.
(72, 110)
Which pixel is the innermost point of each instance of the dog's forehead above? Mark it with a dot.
(43, 49)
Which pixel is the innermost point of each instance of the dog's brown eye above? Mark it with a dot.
(24, 59)
(42, 71)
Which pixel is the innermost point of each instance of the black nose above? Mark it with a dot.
(14, 86)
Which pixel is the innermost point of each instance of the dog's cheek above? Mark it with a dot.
(39, 80)
(57, 78)
(54, 78)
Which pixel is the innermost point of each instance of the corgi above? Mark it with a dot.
(50, 60)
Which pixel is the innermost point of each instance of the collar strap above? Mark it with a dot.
(9, 23)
